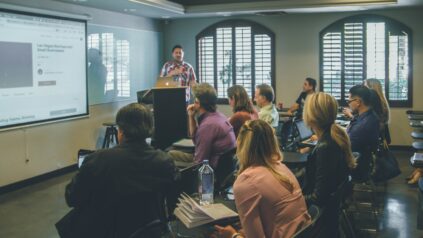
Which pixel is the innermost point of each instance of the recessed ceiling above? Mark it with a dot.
(165, 9)
(208, 2)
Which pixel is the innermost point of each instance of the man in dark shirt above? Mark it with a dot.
(363, 130)
(122, 189)
(309, 87)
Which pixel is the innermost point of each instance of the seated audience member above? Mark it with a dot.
(242, 107)
(309, 87)
(119, 190)
(329, 163)
(212, 134)
(267, 195)
(380, 106)
(363, 130)
(264, 97)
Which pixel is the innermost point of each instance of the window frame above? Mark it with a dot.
(256, 29)
(390, 24)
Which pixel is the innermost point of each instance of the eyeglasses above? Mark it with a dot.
(351, 100)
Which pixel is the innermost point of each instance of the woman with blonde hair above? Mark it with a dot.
(242, 107)
(267, 195)
(329, 163)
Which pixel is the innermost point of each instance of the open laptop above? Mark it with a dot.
(82, 153)
(305, 133)
(167, 82)
(145, 96)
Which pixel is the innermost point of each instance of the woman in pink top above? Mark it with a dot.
(267, 195)
(242, 107)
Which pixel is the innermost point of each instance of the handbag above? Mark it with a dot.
(386, 165)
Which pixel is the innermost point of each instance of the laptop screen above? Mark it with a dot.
(303, 130)
(81, 156)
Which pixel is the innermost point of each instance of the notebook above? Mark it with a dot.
(184, 143)
(191, 214)
(82, 153)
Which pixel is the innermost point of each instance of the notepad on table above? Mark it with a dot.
(184, 143)
(191, 214)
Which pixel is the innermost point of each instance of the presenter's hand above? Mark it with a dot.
(176, 71)
(225, 232)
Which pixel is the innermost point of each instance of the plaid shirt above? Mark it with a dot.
(187, 77)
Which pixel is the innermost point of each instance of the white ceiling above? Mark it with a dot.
(166, 9)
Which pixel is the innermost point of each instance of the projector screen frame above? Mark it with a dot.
(32, 12)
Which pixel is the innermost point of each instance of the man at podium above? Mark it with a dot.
(180, 70)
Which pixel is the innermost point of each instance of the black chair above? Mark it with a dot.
(154, 229)
(225, 171)
(342, 194)
(418, 145)
(408, 112)
(189, 179)
(111, 135)
(417, 135)
(306, 232)
(420, 206)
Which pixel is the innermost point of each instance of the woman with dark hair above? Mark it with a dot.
(329, 163)
(383, 103)
(267, 195)
(242, 107)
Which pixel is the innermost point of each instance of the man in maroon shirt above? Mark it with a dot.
(210, 130)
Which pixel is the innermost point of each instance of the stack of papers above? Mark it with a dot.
(184, 143)
(417, 160)
(192, 214)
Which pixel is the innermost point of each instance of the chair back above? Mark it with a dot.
(307, 231)
(343, 191)
(153, 229)
(224, 170)
(189, 179)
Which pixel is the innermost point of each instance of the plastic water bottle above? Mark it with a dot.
(206, 183)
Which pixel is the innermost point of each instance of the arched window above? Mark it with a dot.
(235, 52)
(367, 46)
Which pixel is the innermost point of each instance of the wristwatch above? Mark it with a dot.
(237, 235)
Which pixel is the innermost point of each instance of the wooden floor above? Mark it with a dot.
(33, 211)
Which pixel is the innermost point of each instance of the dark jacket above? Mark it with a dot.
(326, 170)
(117, 191)
(364, 136)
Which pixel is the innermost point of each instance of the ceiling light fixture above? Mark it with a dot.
(162, 4)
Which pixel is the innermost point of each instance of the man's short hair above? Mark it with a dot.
(266, 91)
(312, 82)
(177, 47)
(135, 121)
(362, 92)
(206, 95)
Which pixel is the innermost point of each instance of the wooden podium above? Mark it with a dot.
(170, 116)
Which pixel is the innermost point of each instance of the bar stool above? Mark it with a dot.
(111, 134)
(418, 145)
